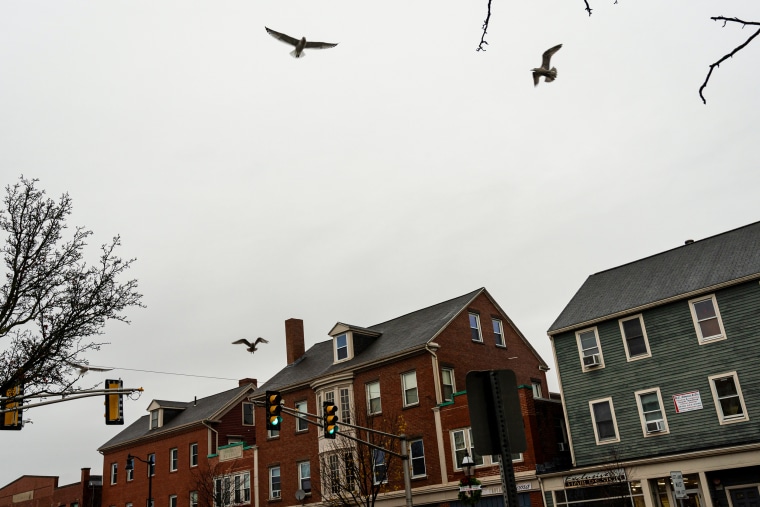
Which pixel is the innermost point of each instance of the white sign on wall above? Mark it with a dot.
(678, 486)
(686, 402)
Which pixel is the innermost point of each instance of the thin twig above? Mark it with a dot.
(732, 53)
(485, 29)
(588, 7)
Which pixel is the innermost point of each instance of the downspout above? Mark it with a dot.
(215, 441)
(432, 347)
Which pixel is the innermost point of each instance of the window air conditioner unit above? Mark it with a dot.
(562, 446)
(592, 360)
(276, 494)
(655, 426)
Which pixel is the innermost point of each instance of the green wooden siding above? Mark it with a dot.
(678, 365)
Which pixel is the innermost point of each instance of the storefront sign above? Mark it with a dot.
(595, 478)
(498, 490)
(686, 402)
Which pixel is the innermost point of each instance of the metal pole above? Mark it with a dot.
(506, 468)
(407, 476)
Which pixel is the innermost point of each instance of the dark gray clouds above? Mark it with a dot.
(394, 171)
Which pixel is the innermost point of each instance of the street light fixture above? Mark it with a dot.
(468, 465)
(151, 461)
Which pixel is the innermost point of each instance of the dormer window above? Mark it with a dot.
(341, 347)
(154, 419)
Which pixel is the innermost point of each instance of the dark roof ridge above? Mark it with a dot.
(473, 293)
(692, 242)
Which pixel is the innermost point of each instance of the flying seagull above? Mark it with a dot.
(301, 44)
(549, 74)
(84, 368)
(251, 346)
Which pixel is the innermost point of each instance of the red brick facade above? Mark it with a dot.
(430, 419)
(43, 491)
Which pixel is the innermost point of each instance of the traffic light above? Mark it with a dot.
(330, 419)
(12, 420)
(114, 403)
(274, 407)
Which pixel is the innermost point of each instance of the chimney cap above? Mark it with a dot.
(688, 242)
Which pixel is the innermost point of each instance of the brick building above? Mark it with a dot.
(406, 374)
(43, 491)
(178, 437)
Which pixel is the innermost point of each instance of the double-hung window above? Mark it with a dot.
(173, 460)
(152, 464)
(242, 488)
(651, 413)
(589, 348)
(248, 419)
(728, 398)
(635, 339)
(447, 384)
(603, 417)
(379, 467)
(409, 385)
(341, 347)
(462, 444)
(193, 499)
(114, 469)
(194, 455)
(345, 405)
(173, 501)
(275, 490)
(374, 406)
(476, 334)
(417, 457)
(304, 476)
(302, 423)
(498, 332)
(706, 317)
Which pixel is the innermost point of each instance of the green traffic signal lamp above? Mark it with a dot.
(330, 419)
(273, 408)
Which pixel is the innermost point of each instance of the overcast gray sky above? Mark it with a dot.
(400, 169)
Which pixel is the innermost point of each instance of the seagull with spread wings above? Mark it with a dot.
(84, 368)
(544, 70)
(251, 346)
(299, 44)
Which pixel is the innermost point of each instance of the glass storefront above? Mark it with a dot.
(616, 494)
(664, 495)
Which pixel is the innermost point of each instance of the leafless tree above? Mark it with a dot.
(354, 473)
(213, 494)
(52, 302)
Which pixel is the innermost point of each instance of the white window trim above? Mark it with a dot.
(501, 333)
(453, 383)
(719, 411)
(349, 347)
(643, 420)
(648, 353)
(272, 495)
(114, 472)
(301, 477)
(411, 458)
(379, 397)
(300, 418)
(591, 404)
(598, 345)
(190, 447)
(480, 326)
(403, 389)
(174, 498)
(470, 449)
(173, 462)
(698, 328)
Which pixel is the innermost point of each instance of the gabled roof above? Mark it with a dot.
(405, 334)
(701, 266)
(210, 408)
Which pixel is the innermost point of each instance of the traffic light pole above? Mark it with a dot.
(403, 455)
(73, 395)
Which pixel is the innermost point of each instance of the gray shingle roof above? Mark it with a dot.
(716, 260)
(405, 333)
(203, 409)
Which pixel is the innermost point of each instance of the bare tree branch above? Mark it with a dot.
(51, 299)
(485, 29)
(732, 53)
(588, 7)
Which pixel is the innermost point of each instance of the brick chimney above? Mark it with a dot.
(294, 339)
(245, 381)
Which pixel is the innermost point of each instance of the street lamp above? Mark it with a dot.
(151, 461)
(468, 465)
